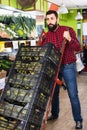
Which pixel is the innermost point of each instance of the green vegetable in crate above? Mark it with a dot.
(4, 126)
(33, 82)
(2, 118)
(1, 110)
(19, 78)
(12, 93)
(38, 66)
(7, 108)
(23, 65)
(28, 96)
(17, 66)
(27, 87)
(26, 80)
(23, 113)
(6, 123)
(16, 110)
(42, 54)
(37, 58)
(23, 71)
(21, 93)
(32, 72)
(8, 93)
(42, 97)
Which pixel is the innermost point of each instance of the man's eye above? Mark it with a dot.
(47, 19)
(51, 18)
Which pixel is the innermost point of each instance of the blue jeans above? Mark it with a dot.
(68, 72)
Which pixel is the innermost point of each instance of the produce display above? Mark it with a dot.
(5, 63)
(28, 87)
(17, 27)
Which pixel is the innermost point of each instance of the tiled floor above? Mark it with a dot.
(65, 120)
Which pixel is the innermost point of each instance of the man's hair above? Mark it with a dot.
(52, 12)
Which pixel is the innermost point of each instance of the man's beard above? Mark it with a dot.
(52, 28)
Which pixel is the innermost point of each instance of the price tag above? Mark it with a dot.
(15, 44)
(33, 42)
(2, 83)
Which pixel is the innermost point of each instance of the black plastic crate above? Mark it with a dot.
(16, 97)
(29, 86)
(33, 68)
(25, 76)
(14, 111)
(19, 96)
(35, 53)
(41, 99)
(7, 123)
(41, 81)
(20, 81)
(44, 84)
(20, 109)
(10, 121)
(36, 115)
(11, 124)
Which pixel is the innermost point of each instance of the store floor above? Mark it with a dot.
(65, 120)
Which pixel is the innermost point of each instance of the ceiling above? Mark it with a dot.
(71, 4)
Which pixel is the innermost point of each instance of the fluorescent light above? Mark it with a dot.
(6, 7)
(79, 16)
(62, 9)
(5, 12)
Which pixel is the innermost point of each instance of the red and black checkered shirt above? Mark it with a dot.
(56, 38)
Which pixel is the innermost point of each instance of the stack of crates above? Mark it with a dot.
(29, 85)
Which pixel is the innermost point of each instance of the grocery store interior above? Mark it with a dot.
(24, 95)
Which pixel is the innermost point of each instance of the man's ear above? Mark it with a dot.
(58, 20)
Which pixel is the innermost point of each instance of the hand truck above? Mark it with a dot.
(57, 81)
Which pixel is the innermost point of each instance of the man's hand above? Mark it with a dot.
(12, 57)
(67, 36)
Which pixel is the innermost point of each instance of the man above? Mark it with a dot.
(55, 35)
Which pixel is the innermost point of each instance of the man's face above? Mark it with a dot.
(51, 21)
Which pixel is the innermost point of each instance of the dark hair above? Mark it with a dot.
(52, 12)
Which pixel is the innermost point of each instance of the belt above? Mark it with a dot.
(69, 63)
